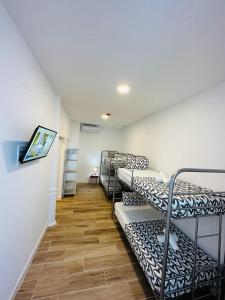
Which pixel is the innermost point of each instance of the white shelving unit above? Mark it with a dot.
(70, 172)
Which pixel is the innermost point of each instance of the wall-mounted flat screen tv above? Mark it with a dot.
(39, 144)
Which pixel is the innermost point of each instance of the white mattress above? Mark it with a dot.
(136, 213)
(125, 174)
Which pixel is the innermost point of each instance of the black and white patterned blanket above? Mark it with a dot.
(157, 194)
(111, 162)
(142, 237)
(137, 162)
(133, 198)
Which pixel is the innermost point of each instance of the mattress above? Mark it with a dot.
(157, 193)
(120, 163)
(125, 174)
(136, 213)
(142, 237)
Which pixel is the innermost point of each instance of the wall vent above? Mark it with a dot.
(91, 128)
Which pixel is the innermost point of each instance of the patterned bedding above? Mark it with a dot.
(156, 193)
(133, 198)
(142, 237)
(121, 162)
(137, 162)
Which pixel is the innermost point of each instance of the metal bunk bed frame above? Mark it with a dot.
(109, 169)
(117, 156)
(220, 293)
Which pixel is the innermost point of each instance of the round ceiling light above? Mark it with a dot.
(106, 116)
(123, 89)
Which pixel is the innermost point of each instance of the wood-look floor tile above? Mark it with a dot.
(74, 243)
(44, 246)
(106, 261)
(141, 290)
(86, 209)
(101, 231)
(104, 215)
(56, 297)
(69, 283)
(90, 251)
(84, 216)
(123, 246)
(48, 256)
(64, 211)
(58, 228)
(59, 268)
(82, 225)
(85, 229)
(117, 292)
(105, 224)
(26, 290)
(49, 236)
(76, 217)
(109, 238)
(121, 274)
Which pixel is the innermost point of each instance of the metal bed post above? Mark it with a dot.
(167, 236)
(109, 173)
(132, 173)
(219, 271)
(195, 256)
(114, 184)
(100, 171)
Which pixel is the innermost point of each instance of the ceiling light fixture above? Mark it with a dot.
(123, 89)
(106, 116)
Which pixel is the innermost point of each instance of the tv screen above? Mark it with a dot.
(39, 144)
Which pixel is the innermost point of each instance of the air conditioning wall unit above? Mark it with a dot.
(91, 128)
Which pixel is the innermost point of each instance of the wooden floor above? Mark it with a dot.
(84, 257)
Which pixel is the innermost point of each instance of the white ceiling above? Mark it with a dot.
(166, 50)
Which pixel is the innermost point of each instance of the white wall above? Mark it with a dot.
(74, 141)
(91, 145)
(65, 124)
(26, 100)
(64, 135)
(190, 134)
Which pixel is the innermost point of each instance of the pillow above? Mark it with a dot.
(133, 198)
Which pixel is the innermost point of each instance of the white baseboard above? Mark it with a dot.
(52, 206)
(28, 263)
(52, 224)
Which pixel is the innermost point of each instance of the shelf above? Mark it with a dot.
(70, 172)
(71, 181)
(69, 193)
(71, 160)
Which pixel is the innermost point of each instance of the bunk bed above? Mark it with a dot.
(134, 208)
(106, 174)
(107, 170)
(172, 273)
